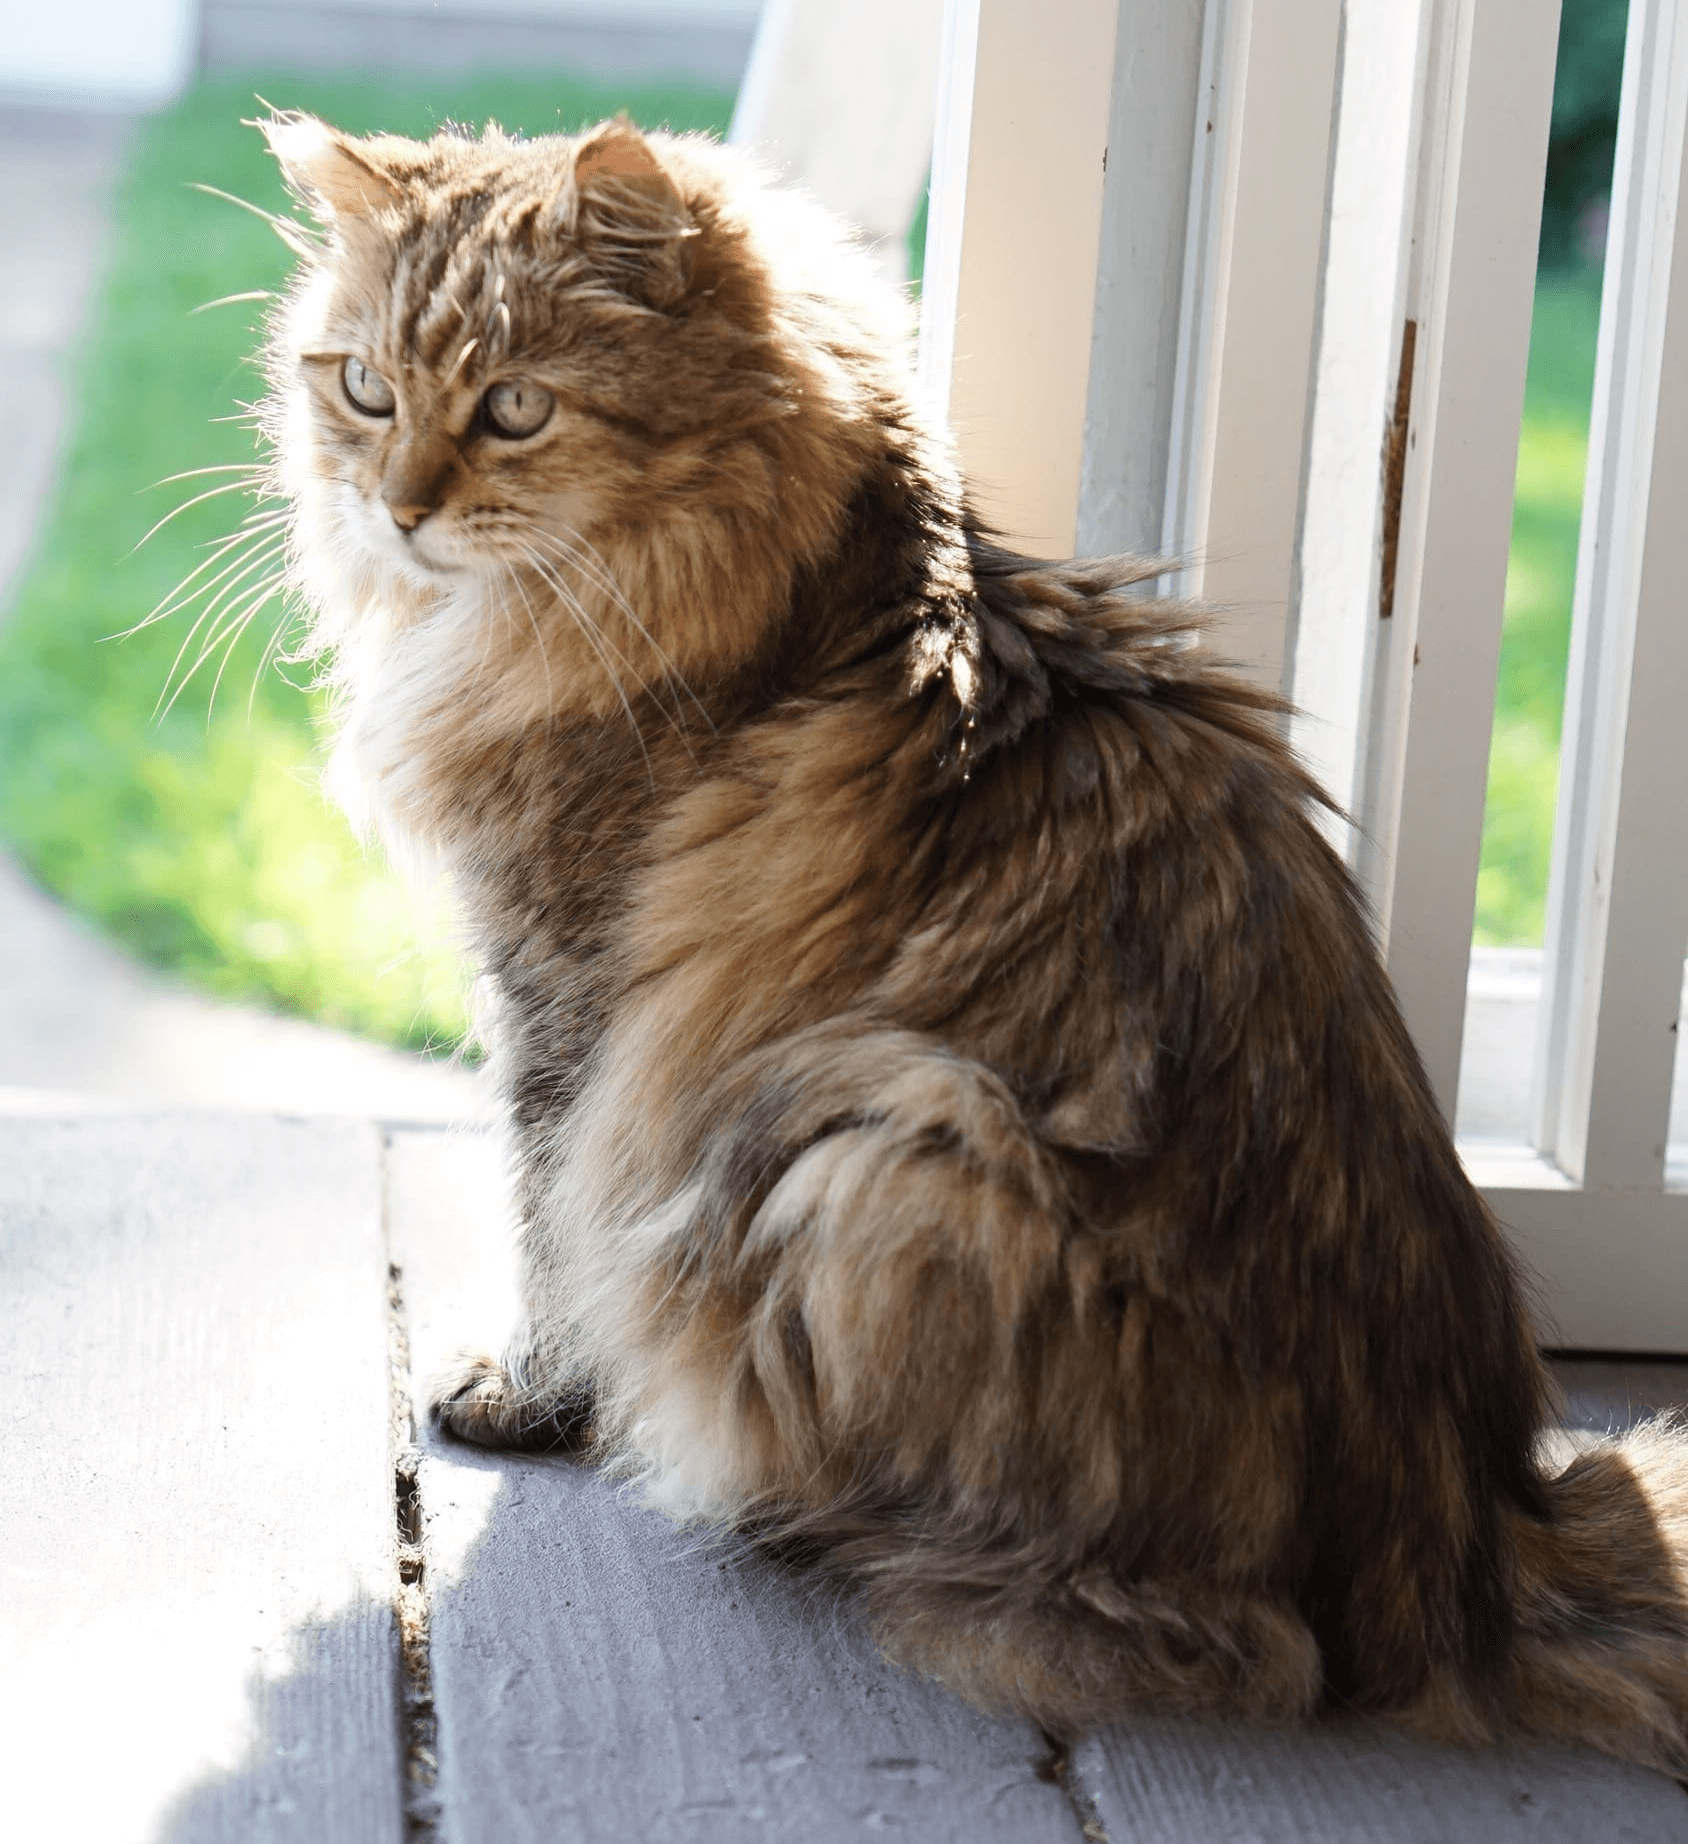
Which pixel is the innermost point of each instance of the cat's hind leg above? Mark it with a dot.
(946, 1371)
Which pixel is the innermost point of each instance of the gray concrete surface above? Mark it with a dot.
(80, 1017)
(75, 1014)
(599, 1674)
(227, 1614)
(197, 1530)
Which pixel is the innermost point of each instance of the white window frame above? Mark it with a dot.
(1354, 170)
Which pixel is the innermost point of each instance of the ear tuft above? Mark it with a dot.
(326, 169)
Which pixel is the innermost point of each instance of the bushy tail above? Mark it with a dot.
(1601, 1657)
(1098, 1651)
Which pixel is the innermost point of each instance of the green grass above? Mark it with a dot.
(200, 839)
(1524, 757)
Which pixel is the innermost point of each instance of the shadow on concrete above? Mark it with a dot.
(324, 1762)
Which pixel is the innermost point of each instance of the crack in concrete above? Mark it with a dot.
(1055, 1769)
(419, 1736)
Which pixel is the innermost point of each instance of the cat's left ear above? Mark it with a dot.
(327, 169)
(623, 204)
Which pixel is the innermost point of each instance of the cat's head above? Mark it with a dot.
(507, 366)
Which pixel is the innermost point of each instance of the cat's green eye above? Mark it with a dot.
(366, 390)
(517, 410)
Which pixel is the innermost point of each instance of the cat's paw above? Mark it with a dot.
(476, 1399)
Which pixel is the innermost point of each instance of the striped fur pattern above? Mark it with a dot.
(965, 1135)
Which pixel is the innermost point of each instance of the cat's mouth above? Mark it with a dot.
(426, 553)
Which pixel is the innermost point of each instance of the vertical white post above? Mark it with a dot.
(1490, 91)
(1145, 217)
(1618, 907)
(123, 53)
(1258, 196)
(842, 100)
(1011, 254)
(1361, 327)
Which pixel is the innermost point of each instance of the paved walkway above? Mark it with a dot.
(79, 1016)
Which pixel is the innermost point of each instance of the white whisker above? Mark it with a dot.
(239, 614)
(596, 642)
(225, 467)
(586, 557)
(271, 648)
(228, 486)
(544, 658)
(236, 634)
(295, 235)
(504, 569)
(226, 597)
(247, 535)
(251, 294)
(210, 613)
(265, 547)
(582, 617)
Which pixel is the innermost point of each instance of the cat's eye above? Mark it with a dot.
(365, 389)
(517, 410)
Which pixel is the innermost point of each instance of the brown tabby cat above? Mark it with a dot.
(965, 1134)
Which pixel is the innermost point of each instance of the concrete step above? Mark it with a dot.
(243, 1599)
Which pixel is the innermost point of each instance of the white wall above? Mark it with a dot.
(585, 12)
(121, 52)
(133, 53)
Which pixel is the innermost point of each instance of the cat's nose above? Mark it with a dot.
(407, 516)
(417, 478)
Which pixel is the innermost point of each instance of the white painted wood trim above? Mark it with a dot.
(1611, 1265)
(1618, 909)
(1139, 283)
(1242, 392)
(1011, 254)
(1368, 254)
(1488, 102)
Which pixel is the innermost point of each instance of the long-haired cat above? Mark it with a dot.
(965, 1135)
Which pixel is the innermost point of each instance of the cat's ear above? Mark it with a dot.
(327, 169)
(616, 150)
(624, 206)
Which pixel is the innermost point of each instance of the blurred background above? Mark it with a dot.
(195, 838)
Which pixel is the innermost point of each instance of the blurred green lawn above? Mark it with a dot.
(1524, 756)
(200, 839)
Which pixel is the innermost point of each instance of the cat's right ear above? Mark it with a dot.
(623, 205)
(326, 169)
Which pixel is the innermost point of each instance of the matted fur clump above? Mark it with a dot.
(965, 1134)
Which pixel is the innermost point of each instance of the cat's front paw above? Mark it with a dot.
(476, 1399)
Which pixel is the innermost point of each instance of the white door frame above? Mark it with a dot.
(1361, 209)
